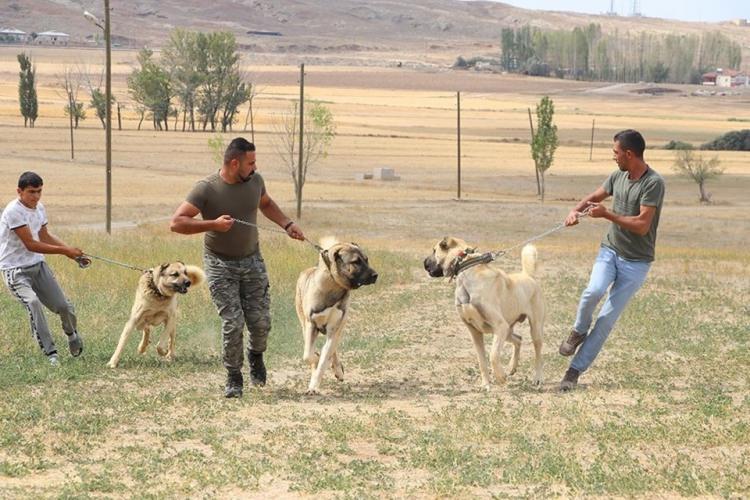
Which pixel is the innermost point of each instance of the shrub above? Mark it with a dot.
(738, 140)
(678, 145)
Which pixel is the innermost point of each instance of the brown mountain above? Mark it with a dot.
(449, 27)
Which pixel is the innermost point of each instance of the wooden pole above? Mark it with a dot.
(458, 142)
(591, 148)
(72, 110)
(301, 136)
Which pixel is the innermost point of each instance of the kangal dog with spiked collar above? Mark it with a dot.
(322, 302)
(490, 301)
(156, 304)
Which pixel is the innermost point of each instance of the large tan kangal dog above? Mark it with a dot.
(156, 304)
(489, 300)
(322, 302)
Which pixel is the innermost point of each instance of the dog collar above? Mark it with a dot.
(460, 265)
(152, 285)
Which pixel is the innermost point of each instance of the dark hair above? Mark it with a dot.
(29, 179)
(237, 148)
(632, 140)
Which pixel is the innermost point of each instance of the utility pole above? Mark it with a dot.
(301, 137)
(458, 141)
(108, 91)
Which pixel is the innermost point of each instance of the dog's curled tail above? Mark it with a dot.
(528, 260)
(196, 275)
(327, 242)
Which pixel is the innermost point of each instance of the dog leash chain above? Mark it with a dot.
(84, 261)
(274, 230)
(562, 225)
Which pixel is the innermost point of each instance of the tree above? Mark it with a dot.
(70, 82)
(150, 87)
(27, 97)
(181, 60)
(544, 142)
(319, 132)
(694, 166)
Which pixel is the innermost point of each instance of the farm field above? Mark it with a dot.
(665, 410)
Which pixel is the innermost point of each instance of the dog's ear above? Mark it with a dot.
(196, 274)
(444, 243)
(160, 269)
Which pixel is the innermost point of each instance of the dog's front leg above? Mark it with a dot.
(144, 340)
(501, 333)
(336, 365)
(309, 334)
(333, 332)
(115, 359)
(478, 338)
(167, 335)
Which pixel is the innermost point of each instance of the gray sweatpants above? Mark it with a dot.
(35, 286)
(240, 292)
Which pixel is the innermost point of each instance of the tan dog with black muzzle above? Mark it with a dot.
(322, 302)
(155, 304)
(489, 300)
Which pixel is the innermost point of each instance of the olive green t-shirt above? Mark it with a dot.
(214, 198)
(629, 195)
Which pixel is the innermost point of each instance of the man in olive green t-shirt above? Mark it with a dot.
(626, 252)
(235, 270)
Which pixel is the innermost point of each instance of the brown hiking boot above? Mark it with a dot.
(569, 345)
(570, 380)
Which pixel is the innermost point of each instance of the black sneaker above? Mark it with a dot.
(257, 369)
(75, 344)
(570, 380)
(233, 388)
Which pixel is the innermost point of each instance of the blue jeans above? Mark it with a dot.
(626, 277)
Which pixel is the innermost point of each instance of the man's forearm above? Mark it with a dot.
(272, 212)
(629, 222)
(189, 225)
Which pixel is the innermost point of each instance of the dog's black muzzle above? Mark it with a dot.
(432, 268)
(181, 287)
(368, 278)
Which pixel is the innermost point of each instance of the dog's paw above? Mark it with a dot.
(161, 350)
(338, 372)
(111, 365)
(312, 392)
(142, 348)
(537, 381)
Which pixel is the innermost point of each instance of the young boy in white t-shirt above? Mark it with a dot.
(23, 240)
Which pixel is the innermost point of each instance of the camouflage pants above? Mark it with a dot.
(239, 290)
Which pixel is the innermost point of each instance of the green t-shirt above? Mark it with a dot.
(628, 197)
(214, 198)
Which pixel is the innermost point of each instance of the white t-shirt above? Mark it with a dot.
(13, 253)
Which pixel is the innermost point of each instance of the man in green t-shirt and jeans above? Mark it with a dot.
(235, 270)
(626, 253)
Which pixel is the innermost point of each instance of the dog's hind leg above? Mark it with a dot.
(515, 340)
(115, 359)
(144, 340)
(536, 339)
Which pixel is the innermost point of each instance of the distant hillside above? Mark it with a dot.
(325, 26)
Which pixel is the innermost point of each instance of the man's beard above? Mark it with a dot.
(245, 179)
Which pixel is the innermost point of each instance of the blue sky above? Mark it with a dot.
(686, 10)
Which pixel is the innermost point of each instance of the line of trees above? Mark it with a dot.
(587, 53)
(198, 78)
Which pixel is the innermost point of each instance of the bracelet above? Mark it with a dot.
(288, 224)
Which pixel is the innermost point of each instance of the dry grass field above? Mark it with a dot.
(665, 411)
